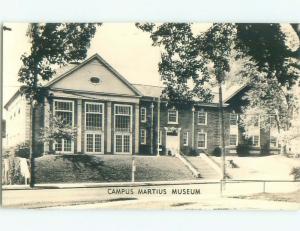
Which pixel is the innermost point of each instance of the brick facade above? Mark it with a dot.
(204, 136)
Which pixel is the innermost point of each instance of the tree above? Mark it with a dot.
(272, 95)
(182, 68)
(52, 45)
(58, 129)
(191, 62)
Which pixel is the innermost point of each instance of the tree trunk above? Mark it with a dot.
(32, 146)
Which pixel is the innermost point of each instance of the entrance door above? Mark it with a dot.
(173, 143)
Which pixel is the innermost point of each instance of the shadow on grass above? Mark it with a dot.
(80, 161)
(82, 168)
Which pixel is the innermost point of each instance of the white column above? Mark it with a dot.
(108, 128)
(79, 124)
(193, 127)
(158, 125)
(152, 128)
(46, 121)
(137, 127)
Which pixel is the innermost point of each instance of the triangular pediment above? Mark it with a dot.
(94, 75)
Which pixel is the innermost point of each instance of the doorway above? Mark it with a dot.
(173, 142)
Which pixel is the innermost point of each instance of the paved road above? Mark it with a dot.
(155, 197)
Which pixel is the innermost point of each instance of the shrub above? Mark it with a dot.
(243, 149)
(217, 151)
(186, 150)
(296, 173)
(194, 152)
(6, 153)
(14, 173)
(22, 150)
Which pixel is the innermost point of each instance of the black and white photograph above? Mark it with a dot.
(141, 115)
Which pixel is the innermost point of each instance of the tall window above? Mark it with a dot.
(255, 141)
(143, 136)
(201, 141)
(64, 110)
(172, 116)
(233, 140)
(143, 114)
(94, 143)
(122, 143)
(185, 138)
(122, 118)
(93, 116)
(123, 126)
(233, 119)
(202, 117)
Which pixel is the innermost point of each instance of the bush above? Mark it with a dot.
(6, 153)
(22, 150)
(14, 173)
(296, 173)
(186, 150)
(194, 152)
(217, 151)
(243, 150)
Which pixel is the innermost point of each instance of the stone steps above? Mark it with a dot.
(206, 171)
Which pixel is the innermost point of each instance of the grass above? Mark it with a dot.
(272, 167)
(286, 197)
(108, 168)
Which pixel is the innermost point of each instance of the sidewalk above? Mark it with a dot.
(106, 184)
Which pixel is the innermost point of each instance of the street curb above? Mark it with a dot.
(102, 185)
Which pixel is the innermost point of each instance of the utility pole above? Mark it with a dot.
(133, 169)
(1, 94)
(3, 28)
(222, 136)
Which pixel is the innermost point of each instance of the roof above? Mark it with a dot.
(17, 93)
(149, 90)
(232, 92)
(101, 60)
(156, 91)
(140, 89)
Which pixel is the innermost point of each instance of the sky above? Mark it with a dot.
(122, 45)
(126, 48)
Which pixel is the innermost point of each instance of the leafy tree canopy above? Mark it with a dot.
(266, 46)
(52, 44)
(190, 59)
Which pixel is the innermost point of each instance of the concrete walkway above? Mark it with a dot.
(108, 184)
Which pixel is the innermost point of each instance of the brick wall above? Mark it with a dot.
(185, 115)
(185, 125)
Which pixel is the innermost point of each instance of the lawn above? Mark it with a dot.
(286, 197)
(108, 168)
(274, 167)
